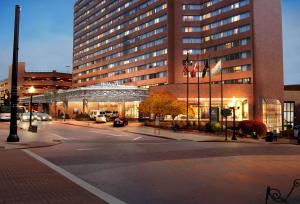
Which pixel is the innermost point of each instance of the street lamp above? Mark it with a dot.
(234, 104)
(13, 130)
(31, 91)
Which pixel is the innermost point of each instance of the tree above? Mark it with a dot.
(163, 104)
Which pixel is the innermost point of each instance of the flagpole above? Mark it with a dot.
(221, 98)
(198, 92)
(186, 64)
(210, 118)
(187, 98)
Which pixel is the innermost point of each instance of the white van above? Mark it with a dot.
(93, 114)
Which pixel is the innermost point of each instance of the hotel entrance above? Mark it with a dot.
(124, 100)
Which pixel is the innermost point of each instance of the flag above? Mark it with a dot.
(217, 68)
(206, 67)
(195, 69)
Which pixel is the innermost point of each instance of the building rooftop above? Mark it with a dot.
(292, 87)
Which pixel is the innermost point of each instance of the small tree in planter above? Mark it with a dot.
(253, 128)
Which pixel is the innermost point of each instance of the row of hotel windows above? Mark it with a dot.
(225, 70)
(129, 80)
(157, 64)
(230, 57)
(123, 25)
(217, 23)
(92, 17)
(229, 45)
(141, 26)
(200, 6)
(126, 52)
(233, 6)
(130, 60)
(223, 34)
(106, 7)
(126, 32)
(196, 40)
(235, 56)
(215, 12)
(227, 33)
(234, 81)
(95, 15)
(121, 44)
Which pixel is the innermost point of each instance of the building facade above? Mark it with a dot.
(144, 42)
(43, 81)
(291, 109)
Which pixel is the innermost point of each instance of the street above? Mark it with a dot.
(142, 169)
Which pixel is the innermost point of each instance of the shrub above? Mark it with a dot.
(82, 117)
(250, 126)
(214, 127)
(61, 116)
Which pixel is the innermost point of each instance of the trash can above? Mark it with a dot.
(269, 137)
(33, 128)
(297, 133)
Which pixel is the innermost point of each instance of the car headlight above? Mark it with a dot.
(50, 117)
(44, 118)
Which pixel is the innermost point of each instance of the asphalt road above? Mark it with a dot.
(140, 169)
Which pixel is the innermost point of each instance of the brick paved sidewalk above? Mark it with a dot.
(25, 180)
(27, 139)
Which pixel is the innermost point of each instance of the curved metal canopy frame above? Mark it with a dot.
(92, 94)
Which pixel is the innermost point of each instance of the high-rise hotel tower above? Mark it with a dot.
(143, 43)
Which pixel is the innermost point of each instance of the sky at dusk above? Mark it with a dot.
(46, 35)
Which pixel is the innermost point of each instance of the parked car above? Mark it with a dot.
(43, 116)
(25, 117)
(180, 117)
(5, 112)
(93, 114)
(113, 115)
(101, 119)
(120, 122)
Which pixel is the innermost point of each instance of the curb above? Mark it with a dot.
(163, 137)
(23, 145)
(78, 125)
(221, 141)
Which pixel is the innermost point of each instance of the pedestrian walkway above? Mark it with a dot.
(25, 180)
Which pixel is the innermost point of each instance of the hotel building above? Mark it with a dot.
(143, 43)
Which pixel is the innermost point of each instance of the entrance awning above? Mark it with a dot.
(92, 94)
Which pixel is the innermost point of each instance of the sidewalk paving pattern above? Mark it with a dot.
(26, 180)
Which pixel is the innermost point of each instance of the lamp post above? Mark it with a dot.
(13, 130)
(31, 91)
(234, 104)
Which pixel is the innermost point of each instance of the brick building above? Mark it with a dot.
(291, 114)
(143, 43)
(42, 81)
